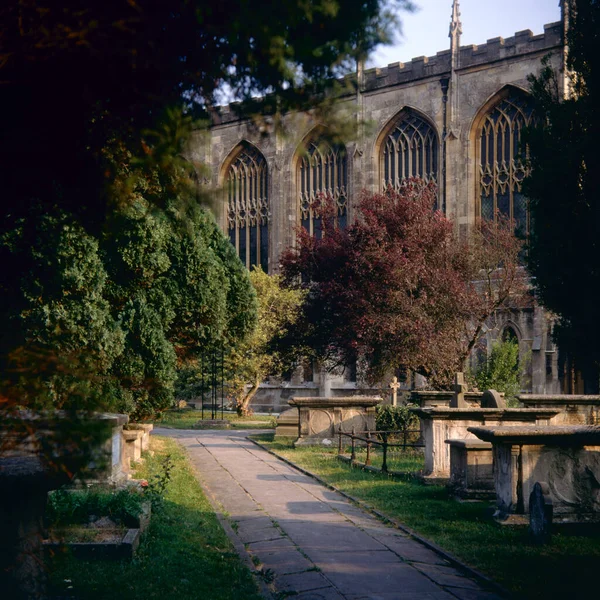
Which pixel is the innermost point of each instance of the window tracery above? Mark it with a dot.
(322, 171)
(410, 149)
(502, 163)
(248, 212)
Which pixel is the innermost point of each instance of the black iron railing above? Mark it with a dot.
(380, 439)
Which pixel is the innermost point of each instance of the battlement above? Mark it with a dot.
(522, 43)
(421, 67)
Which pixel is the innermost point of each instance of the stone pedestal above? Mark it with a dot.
(109, 463)
(132, 448)
(567, 458)
(145, 428)
(320, 418)
(288, 424)
(471, 470)
(429, 399)
(441, 424)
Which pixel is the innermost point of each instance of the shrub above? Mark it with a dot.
(502, 371)
(396, 418)
(76, 507)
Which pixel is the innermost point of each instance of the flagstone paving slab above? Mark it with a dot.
(310, 541)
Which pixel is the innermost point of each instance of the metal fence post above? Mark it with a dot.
(353, 455)
(384, 467)
(368, 459)
(340, 440)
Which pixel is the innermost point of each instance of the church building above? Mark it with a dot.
(455, 118)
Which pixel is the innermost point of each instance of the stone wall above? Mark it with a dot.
(483, 74)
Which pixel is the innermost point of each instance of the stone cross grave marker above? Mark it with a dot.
(460, 388)
(394, 385)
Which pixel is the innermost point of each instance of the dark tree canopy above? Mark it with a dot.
(107, 251)
(78, 74)
(564, 190)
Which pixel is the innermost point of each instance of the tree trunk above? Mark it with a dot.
(242, 406)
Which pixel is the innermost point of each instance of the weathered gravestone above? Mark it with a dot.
(540, 513)
(492, 399)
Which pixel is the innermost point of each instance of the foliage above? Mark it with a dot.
(99, 101)
(396, 418)
(176, 289)
(184, 551)
(70, 507)
(563, 188)
(502, 371)
(398, 287)
(251, 362)
(76, 76)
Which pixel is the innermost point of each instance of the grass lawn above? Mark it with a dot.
(565, 568)
(409, 461)
(184, 554)
(186, 418)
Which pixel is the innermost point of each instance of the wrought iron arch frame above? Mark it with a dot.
(313, 137)
(476, 129)
(260, 208)
(387, 129)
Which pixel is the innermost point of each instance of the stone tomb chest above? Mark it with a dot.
(574, 409)
(441, 424)
(566, 458)
(320, 418)
(471, 469)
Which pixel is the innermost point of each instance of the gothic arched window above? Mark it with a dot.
(248, 207)
(322, 171)
(501, 163)
(410, 149)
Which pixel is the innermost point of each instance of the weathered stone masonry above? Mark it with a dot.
(469, 82)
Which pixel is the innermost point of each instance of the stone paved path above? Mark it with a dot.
(311, 540)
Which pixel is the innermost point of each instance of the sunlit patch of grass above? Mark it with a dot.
(564, 568)
(184, 554)
(186, 418)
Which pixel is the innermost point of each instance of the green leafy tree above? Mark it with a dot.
(564, 192)
(253, 361)
(502, 370)
(176, 291)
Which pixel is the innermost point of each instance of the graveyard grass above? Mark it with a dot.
(184, 553)
(565, 568)
(186, 418)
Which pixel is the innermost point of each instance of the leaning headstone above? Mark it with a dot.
(460, 389)
(492, 399)
(540, 513)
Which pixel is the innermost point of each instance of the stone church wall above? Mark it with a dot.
(481, 74)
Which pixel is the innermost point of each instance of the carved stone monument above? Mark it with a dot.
(441, 424)
(567, 458)
(320, 418)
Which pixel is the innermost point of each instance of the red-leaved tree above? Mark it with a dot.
(398, 288)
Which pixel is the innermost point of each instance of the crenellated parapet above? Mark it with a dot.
(522, 43)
